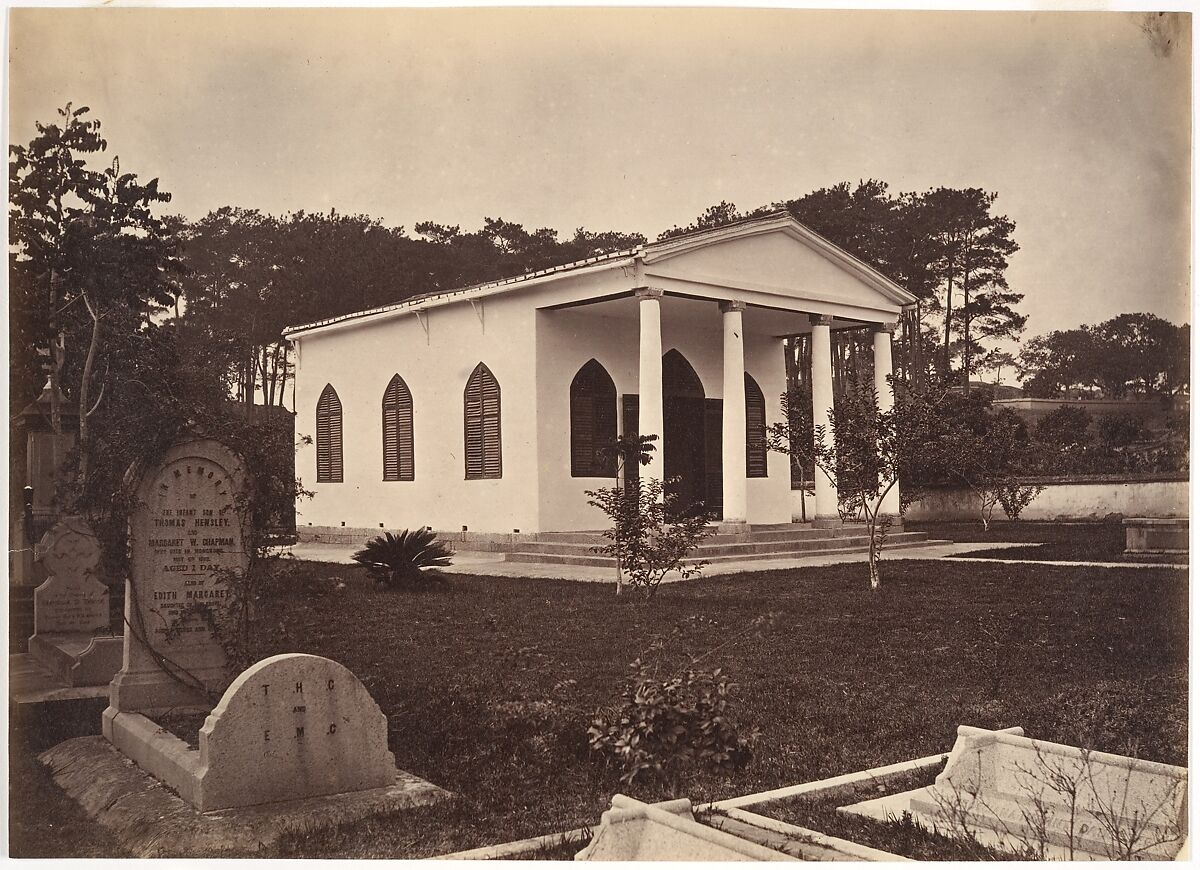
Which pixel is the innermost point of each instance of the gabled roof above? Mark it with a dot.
(653, 252)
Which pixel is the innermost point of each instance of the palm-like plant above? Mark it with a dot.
(397, 559)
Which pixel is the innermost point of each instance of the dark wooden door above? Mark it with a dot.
(683, 451)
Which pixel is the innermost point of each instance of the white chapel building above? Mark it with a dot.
(482, 407)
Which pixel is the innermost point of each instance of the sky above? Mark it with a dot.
(639, 119)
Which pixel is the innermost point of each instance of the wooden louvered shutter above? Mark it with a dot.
(583, 428)
(714, 485)
(481, 418)
(629, 428)
(606, 428)
(397, 431)
(329, 436)
(756, 430)
(593, 421)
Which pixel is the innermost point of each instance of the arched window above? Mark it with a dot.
(329, 436)
(593, 421)
(756, 430)
(481, 416)
(397, 431)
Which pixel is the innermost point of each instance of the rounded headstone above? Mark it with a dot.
(188, 534)
(292, 726)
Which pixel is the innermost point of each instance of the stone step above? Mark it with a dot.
(757, 534)
(716, 547)
(598, 561)
(841, 548)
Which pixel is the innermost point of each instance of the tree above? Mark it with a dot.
(714, 216)
(998, 360)
(650, 535)
(1142, 353)
(1065, 427)
(46, 181)
(872, 449)
(1058, 363)
(1131, 353)
(989, 452)
(972, 249)
(626, 450)
(89, 243)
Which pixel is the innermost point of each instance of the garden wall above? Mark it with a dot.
(1069, 498)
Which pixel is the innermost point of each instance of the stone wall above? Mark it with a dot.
(1069, 498)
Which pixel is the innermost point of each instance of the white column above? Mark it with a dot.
(887, 400)
(733, 418)
(650, 380)
(824, 489)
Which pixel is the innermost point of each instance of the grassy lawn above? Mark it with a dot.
(45, 824)
(489, 684)
(1049, 541)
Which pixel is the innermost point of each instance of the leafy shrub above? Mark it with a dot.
(399, 559)
(665, 728)
(1065, 427)
(646, 545)
(1015, 497)
(1119, 430)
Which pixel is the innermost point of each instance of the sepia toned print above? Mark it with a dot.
(608, 434)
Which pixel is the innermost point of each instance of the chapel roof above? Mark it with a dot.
(648, 251)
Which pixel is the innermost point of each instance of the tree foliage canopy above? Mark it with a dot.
(1131, 354)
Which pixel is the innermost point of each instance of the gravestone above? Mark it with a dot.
(1057, 800)
(292, 726)
(71, 600)
(186, 532)
(71, 633)
(289, 728)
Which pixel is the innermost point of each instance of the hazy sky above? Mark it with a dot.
(639, 119)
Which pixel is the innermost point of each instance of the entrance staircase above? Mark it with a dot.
(784, 541)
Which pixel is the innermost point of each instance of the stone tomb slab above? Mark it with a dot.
(291, 726)
(634, 831)
(187, 536)
(71, 636)
(151, 821)
(1014, 793)
(1156, 535)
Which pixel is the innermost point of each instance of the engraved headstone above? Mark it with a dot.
(71, 622)
(187, 532)
(72, 600)
(292, 726)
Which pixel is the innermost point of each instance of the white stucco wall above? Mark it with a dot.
(1080, 501)
(359, 362)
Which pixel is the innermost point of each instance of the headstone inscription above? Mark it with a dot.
(71, 608)
(187, 536)
(71, 600)
(292, 726)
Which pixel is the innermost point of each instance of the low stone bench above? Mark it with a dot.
(1156, 535)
